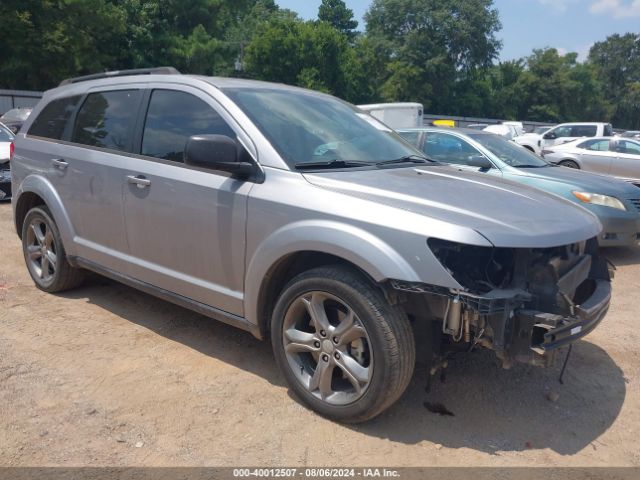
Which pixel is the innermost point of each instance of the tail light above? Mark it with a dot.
(11, 150)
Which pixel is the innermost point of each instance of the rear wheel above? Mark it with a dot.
(343, 349)
(44, 253)
(569, 164)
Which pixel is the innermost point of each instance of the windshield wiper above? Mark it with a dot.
(331, 164)
(406, 159)
(532, 166)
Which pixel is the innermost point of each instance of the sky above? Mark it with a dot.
(568, 25)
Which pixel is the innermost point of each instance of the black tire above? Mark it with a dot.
(569, 164)
(63, 276)
(390, 340)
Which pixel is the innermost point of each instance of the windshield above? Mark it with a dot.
(509, 152)
(16, 114)
(307, 127)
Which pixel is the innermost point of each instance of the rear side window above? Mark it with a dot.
(597, 145)
(107, 119)
(584, 131)
(53, 118)
(172, 118)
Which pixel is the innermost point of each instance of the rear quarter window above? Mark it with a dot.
(53, 119)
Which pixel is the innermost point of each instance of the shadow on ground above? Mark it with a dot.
(494, 409)
(622, 256)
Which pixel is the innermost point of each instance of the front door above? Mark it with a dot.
(185, 226)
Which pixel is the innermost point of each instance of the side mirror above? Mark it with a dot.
(549, 136)
(480, 161)
(216, 152)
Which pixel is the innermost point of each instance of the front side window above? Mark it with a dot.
(173, 117)
(448, 148)
(562, 132)
(510, 153)
(584, 131)
(631, 148)
(595, 145)
(107, 119)
(308, 127)
(53, 118)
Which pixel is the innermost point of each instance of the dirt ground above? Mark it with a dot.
(106, 375)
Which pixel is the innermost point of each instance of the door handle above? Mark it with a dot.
(59, 163)
(138, 180)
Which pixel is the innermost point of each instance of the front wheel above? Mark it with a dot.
(343, 349)
(569, 164)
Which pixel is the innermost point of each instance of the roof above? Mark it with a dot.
(387, 106)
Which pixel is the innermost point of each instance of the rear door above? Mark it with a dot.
(627, 162)
(81, 145)
(185, 226)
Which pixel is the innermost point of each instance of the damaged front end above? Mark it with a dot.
(523, 303)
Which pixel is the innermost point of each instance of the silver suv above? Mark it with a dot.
(299, 218)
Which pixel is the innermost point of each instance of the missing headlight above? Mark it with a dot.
(478, 269)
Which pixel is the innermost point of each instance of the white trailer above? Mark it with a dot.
(396, 115)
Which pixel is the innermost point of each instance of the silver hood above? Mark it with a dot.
(508, 214)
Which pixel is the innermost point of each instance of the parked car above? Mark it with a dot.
(297, 217)
(396, 115)
(566, 132)
(616, 203)
(616, 156)
(14, 118)
(532, 141)
(6, 147)
(519, 127)
(631, 134)
(477, 126)
(508, 132)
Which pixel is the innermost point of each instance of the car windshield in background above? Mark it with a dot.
(16, 115)
(509, 152)
(313, 130)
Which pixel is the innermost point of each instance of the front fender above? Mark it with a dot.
(375, 257)
(42, 187)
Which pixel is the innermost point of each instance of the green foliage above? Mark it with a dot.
(441, 53)
(336, 13)
(617, 65)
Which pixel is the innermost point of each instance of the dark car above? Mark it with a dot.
(14, 118)
(6, 139)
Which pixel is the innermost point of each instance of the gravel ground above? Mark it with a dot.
(106, 375)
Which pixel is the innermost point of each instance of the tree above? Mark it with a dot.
(336, 13)
(437, 41)
(309, 54)
(617, 65)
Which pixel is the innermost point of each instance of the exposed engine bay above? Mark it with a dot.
(522, 303)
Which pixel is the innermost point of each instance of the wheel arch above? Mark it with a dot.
(295, 249)
(36, 190)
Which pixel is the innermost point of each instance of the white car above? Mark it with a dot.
(506, 131)
(616, 156)
(567, 132)
(6, 137)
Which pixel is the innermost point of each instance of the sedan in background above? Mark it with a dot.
(631, 134)
(6, 144)
(615, 156)
(616, 203)
(14, 118)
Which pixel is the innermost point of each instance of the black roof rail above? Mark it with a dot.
(122, 73)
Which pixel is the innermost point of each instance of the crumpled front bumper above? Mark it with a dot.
(539, 335)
